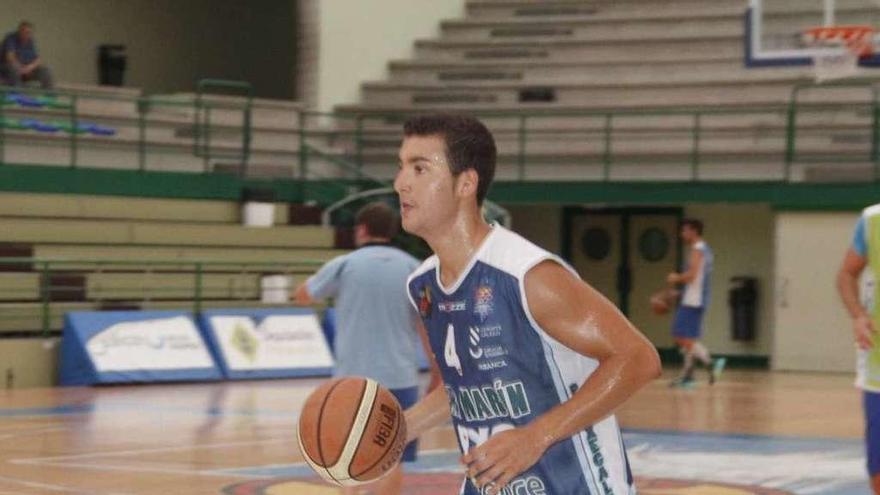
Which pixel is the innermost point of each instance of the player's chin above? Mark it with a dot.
(410, 225)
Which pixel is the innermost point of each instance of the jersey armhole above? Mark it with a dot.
(409, 296)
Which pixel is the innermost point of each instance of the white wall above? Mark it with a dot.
(359, 38)
(171, 43)
(812, 328)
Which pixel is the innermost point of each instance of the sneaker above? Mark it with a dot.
(717, 368)
(683, 382)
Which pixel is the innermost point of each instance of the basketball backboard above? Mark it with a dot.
(774, 29)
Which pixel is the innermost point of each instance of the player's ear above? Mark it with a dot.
(466, 183)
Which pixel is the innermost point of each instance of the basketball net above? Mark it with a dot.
(844, 46)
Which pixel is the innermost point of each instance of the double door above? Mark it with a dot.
(626, 253)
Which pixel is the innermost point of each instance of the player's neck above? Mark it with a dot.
(458, 244)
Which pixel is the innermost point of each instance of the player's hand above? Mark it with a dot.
(863, 329)
(672, 279)
(503, 457)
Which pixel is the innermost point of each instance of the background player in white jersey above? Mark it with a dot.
(533, 359)
(687, 327)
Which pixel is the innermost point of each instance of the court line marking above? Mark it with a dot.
(34, 431)
(54, 488)
(121, 453)
(137, 468)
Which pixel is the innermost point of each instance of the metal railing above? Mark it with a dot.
(47, 288)
(340, 146)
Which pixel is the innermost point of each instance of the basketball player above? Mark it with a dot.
(534, 361)
(864, 254)
(687, 327)
(376, 334)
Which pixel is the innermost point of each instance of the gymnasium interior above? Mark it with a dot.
(199, 159)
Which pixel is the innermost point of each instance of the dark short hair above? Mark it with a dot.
(378, 218)
(24, 24)
(469, 145)
(693, 223)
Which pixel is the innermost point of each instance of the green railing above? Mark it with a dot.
(202, 120)
(62, 112)
(600, 141)
(47, 288)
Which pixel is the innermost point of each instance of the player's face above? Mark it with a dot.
(424, 184)
(688, 234)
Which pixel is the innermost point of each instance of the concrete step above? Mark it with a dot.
(660, 24)
(589, 28)
(531, 10)
(672, 168)
(549, 72)
(840, 143)
(499, 96)
(648, 8)
(631, 49)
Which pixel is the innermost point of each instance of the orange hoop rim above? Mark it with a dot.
(859, 39)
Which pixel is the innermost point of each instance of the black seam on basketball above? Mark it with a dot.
(320, 416)
(390, 444)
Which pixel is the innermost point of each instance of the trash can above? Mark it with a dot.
(258, 207)
(111, 65)
(743, 301)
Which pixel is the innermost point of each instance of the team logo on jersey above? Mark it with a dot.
(483, 302)
(474, 349)
(452, 306)
(425, 302)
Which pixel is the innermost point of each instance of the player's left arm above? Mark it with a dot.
(583, 320)
(694, 265)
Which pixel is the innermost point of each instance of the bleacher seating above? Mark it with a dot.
(570, 64)
(111, 252)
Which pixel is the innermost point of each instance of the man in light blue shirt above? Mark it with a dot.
(377, 327)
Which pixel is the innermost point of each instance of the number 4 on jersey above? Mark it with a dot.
(449, 353)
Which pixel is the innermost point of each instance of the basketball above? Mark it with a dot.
(351, 431)
(663, 300)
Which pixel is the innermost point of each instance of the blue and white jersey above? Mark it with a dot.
(696, 294)
(501, 370)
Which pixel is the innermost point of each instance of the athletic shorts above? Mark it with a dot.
(688, 323)
(871, 401)
(407, 397)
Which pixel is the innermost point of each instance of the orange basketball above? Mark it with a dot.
(352, 431)
(663, 300)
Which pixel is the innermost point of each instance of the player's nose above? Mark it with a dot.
(401, 183)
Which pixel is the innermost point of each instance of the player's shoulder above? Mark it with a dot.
(425, 267)
(871, 211)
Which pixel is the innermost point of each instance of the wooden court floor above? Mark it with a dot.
(202, 438)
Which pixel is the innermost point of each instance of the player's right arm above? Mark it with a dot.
(323, 284)
(854, 262)
(433, 409)
(848, 287)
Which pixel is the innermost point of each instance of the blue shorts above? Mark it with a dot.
(688, 323)
(407, 397)
(871, 401)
